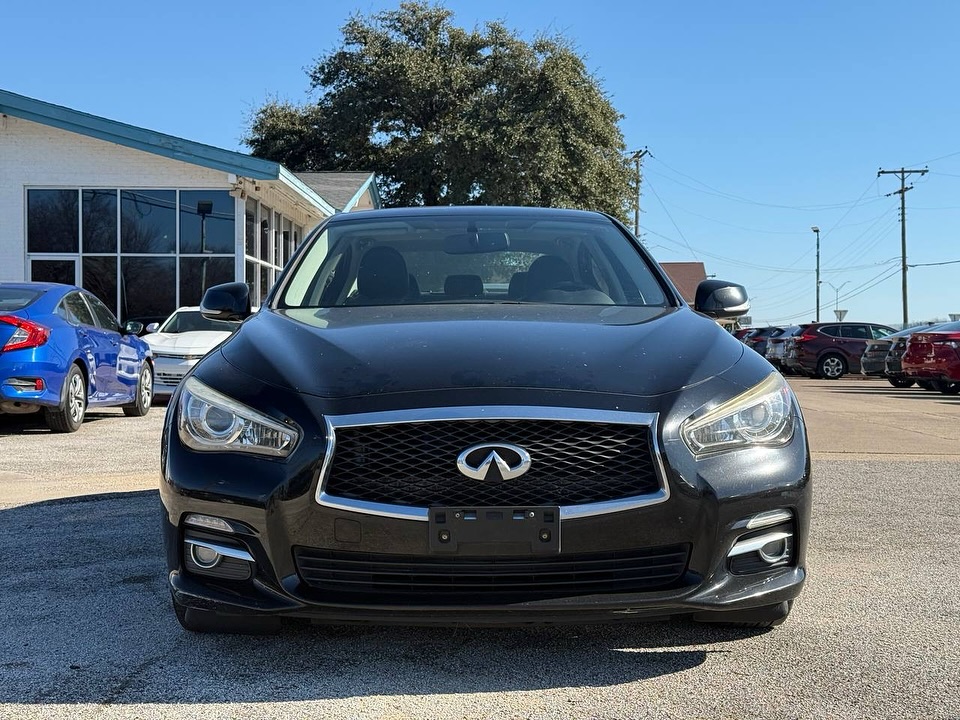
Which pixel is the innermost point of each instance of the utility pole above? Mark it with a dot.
(637, 156)
(817, 231)
(902, 192)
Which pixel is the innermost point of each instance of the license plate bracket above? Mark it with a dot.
(494, 531)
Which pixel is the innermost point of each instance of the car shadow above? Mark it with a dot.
(34, 423)
(914, 393)
(88, 620)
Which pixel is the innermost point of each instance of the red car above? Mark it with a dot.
(935, 356)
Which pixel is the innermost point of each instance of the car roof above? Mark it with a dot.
(31, 285)
(847, 322)
(467, 210)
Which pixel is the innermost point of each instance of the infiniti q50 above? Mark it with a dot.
(481, 416)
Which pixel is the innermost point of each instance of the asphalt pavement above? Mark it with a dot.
(88, 630)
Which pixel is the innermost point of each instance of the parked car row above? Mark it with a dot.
(826, 350)
(927, 355)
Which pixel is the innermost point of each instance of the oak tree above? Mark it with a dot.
(445, 115)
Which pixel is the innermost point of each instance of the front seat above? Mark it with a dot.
(546, 273)
(382, 277)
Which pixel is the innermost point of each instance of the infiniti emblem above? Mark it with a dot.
(493, 462)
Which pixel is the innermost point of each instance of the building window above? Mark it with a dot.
(148, 288)
(99, 209)
(53, 221)
(100, 277)
(266, 216)
(199, 273)
(206, 222)
(250, 228)
(148, 221)
(270, 239)
(57, 271)
(142, 252)
(279, 256)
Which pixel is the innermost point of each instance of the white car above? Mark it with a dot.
(177, 344)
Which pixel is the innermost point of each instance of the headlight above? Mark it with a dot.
(212, 422)
(763, 415)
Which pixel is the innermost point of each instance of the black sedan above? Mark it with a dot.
(481, 416)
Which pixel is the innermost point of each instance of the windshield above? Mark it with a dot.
(192, 320)
(460, 258)
(13, 298)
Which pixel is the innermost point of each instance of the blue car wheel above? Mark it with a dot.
(68, 417)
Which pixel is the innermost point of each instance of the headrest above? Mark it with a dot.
(383, 275)
(546, 272)
(463, 286)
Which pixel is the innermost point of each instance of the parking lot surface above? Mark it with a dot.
(88, 631)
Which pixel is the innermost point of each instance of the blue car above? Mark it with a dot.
(63, 351)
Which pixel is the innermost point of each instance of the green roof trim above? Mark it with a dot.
(293, 181)
(368, 184)
(141, 139)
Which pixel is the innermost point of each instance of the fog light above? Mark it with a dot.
(205, 557)
(775, 551)
(762, 550)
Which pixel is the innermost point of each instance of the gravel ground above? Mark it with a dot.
(88, 630)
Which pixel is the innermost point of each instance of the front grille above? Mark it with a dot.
(415, 464)
(400, 579)
(169, 378)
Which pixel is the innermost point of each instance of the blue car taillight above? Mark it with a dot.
(26, 334)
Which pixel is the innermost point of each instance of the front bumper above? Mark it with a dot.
(708, 505)
(169, 371)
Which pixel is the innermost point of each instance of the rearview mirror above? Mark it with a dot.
(475, 242)
(721, 299)
(133, 328)
(153, 327)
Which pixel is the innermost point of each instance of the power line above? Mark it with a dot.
(677, 227)
(947, 262)
(738, 198)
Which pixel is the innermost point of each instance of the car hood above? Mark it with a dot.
(344, 352)
(186, 343)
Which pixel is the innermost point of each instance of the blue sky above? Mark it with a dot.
(762, 118)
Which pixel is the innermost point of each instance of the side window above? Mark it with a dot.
(105, 318)
(831, 330)
(880, 332)
(860, 332)
(75, 310)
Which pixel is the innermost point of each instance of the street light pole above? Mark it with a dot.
(204, 208)
(836, 305)
(817, 231)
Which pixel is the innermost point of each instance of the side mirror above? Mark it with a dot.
(230, 301)
(720, 299)
(133, 328)
(153, 327)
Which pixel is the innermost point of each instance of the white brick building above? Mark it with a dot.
(144, 220)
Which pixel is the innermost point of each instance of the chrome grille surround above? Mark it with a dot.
(645, 422)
